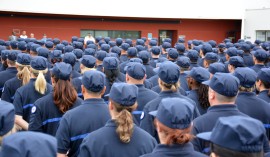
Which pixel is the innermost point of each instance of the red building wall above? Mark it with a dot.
(64, 28)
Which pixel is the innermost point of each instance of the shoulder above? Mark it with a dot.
(45, 100)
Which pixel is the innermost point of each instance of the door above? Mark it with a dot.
(167, 34)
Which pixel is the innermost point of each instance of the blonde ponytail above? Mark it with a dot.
(173, 87)
(23, 73)
(40, 83)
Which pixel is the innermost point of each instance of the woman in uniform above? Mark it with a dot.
(120, 136)
(26, 95)
(48, 110)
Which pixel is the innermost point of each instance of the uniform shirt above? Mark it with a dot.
(46, 115)
(153, 62)
(123, 58)
(194, 96)
(176, 150)
(157, 89)
(77, 123)
(9, 73)
(24, 98)
(75, 74)
(10, 88)
(200, 62)
(147, 119)
(154, 80)
(77, 82)
(149, 71)
(77, 66)
(183, 81)
(248, 59)
(193, 65)
(99, 68)
(105, 142)
(258, 67)
(264, 95)
(144, 96)
(221, 58)
(122, 66)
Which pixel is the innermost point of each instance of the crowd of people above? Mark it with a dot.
(106, 97)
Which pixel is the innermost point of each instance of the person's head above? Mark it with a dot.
(29, 144)
(100, 55)
(39, 67)
(23, 32)
(122, 101)
(22, 45)
(44, 36)
(223, 89)
(168, 74)
(172, 54)
(132, 52)
(241, 136)
(118, 41)
(33, 49)
(210, 58)
(88, 62)
(44, 52)
(49, 44)
(247, 78)
(246, 47)
(32, 35)
(12, 57)
(166, 45)
(260, 56)
(263, 81)
(174, 121)
(183, 63)
(144, 56)
(216, 67)
(7, 117)
(78, 53)
(230, 52)
(235, 62)
(155, 51)
(124, 47)
(4, 55)
(23, 67)
(111, 68)
(13, 33)
(105, 47)
(56, 56)
(180, 48)
(135, 73)
(69, 58)
(193, 55)
(205, 49)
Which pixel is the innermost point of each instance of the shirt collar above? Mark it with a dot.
(174, 148)
(93, 101)
(222, 107)
(247, 93)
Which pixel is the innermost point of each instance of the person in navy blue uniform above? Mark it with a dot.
(154, 79)
(91, 115)
(70, 58)
(165, 45)
(120, 136)
(235, 62)
(209, 59)
(48, 110)
(172, 54)
(135, 74)
(131, 53)
(26, 95)
(56, 56)
(193, 55)
(181, 49)
(155, 52)
(221, 53)
(145, 57)
(184, 64)
(11, 71)
(174, 121)
(78, 53)
(100, 55)
(124, 54)
(29, 144)
(23, 77)
(263, 84)
(4, 65)
(169, 74)
(247, 101)
(198, 91)
(216, 67)
(247, 56)
(259, 58)
(222, 93)
(240, 137)
(203, 51)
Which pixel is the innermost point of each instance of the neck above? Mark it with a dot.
(91, 96)
(221, 103)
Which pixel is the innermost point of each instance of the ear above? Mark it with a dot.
(110, 106)
(83, 89)
(127, 78)
(145, 76)
(211, 94)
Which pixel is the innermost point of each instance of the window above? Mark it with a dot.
(113, 34)
(263, 35)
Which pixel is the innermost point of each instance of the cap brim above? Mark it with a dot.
(206, 82)
(153, 113)
(205, 136)
(107, 95)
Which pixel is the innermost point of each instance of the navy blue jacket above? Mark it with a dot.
(194, 96)
(77, 82)
(154, 80)
(122, 66)
(264, 95)
(149, 71)
(105, 142)
(123, 58)
(176, 150)
(24, 98)
(75, 74)
(248, 59)
(200, 62)
(183, 81)
(221, 58)
(9, 73)
(76, 66)
(77, 123)
(46, 115)
(147, 119)
(153, 62)
(258, 67)
(10, 88)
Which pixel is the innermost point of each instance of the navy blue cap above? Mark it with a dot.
(93, 80)
(175, 113)
(183, 62)
(119, 41)
(49, 44)
(237, 45)
(241, 40)
(169, 40)
(246, 76)
(101, 42)
(89, 42)
(81, 40)
(64, 42)
(213, 43)
(135, 70)
(129, 41)
(224, 83)
(29, 144)
(112, 43)
(199, 74)
(60, 47)
(264, 75)
(237, 61)
(169, 72)
(90, 51)
(125, 46)
(4, 54)
(2, 42)
(197, 48)
(112, 55)
(261, 55)
(56, 41)
(56, 54)
(215, 50)
(221, 45)
(166, 45)
(93, 46)
(196, 42)
(193, 55)
(216, 67)
(189, 42)
(7, 43)
(68, 48)
(206, 48)
(144, 56)
(44, 52)
(14, 44)
(2, 48)
(245, 47)
(228, 45)
(40, 42)
(110, 63)
(238, 133)
(39, 63)
(77, 45)
(140, 48)
(107, 39)
(69, 58)
(181, 40)
(137, 60)
(34, 47)
(226, 40)
(7, 117)
(211, 56)
(240, 52)
(22, 45)
(62, 71)
(78, 53)
(98, 38)
(74, 38)
(100, 55)
(132, 52)
(124, 94)
(88, 61)
(155, 50)
(116, 50)
(258, 42)
(144, 39)
(23, 59)
(140, 42)
(180, 47)
(153, 43)
(232, 51)
(12, 55)
(172, 53)
(265, 46)
(105, 47)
